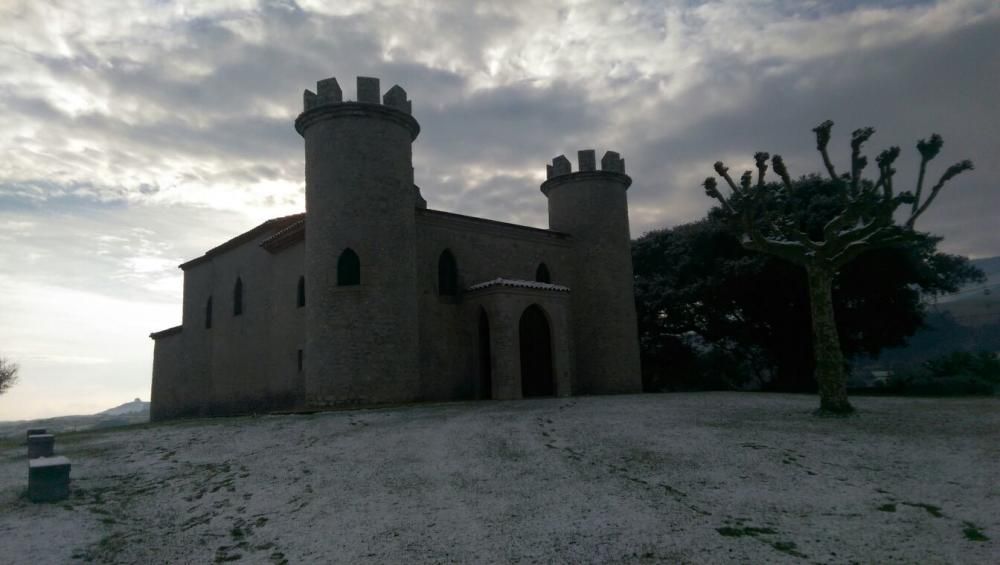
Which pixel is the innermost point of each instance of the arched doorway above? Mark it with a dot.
(485, 358)
(536, 354)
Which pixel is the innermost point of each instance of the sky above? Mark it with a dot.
(135, 135)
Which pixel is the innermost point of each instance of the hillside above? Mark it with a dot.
(135, 412)
(675, 478)
(975, 304)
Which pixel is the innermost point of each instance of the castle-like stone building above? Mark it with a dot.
(370, 297)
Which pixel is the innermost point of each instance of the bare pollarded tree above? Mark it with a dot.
(865, 220)
(8, 374)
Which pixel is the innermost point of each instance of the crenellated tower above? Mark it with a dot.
(361, 315)
(591, 206)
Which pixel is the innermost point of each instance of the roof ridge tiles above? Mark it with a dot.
(518, 283)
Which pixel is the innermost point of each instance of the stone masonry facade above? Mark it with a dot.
(369, 297)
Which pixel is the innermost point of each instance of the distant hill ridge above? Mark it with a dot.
(134, 412)
(986, 291)
(989, 265)
(136, 405)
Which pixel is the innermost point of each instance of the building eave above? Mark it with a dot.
(276, 224)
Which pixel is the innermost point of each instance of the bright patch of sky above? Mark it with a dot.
(138, 134)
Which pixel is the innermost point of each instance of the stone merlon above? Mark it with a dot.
(611, 162)
(328, 91)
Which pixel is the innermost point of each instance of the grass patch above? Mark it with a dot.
(930, 508)
(787, 547)
(111, 544)
(973, 533)
(78, 451)
(731, 532)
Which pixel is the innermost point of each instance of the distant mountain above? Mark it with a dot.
(975, 304)
(990, 266)
(135, 412)
(136, 405)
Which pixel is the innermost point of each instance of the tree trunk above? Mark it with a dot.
(830, 374)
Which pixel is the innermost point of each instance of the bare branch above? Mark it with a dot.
(882, 237)
(803, 238)
(885, 160)
(779, 167)
(847, 217)
(865, 231)
(724, 173)
(8, 373)
(712, 190)
(761, 158)
(858, 161)
(790, 251)
(822, 140)
(953, 171)
(928, 149)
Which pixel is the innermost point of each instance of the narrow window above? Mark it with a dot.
(348, 269)
(300, 360)
(542, 274)
(300, 296)
(447, 274)
(238, 297)
(208, 314)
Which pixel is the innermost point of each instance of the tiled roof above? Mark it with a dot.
(167, 332)
(272, 224)
(292, 233)
(515, 283)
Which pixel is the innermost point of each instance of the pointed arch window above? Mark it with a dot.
(300, 293)
(348, 268)
(447, 274)
(238, 297)
(208, 314)
(542, 274)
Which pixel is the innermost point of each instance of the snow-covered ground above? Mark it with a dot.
(698, 478)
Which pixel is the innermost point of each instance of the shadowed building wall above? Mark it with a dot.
(369, 297)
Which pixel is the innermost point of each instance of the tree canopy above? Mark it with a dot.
(699, 290)
(864, 219)
(8, 374)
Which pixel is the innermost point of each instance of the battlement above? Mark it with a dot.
(328, 103)
(328, 92)
(612, 162)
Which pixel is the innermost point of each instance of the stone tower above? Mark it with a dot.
(362, 335)
(591, 206)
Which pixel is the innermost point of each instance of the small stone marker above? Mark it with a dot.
(48, 479)
(41, 445)
(34, 432)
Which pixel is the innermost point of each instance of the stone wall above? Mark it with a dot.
(592, 206)
(395, 337)
(483, 250)
(361, 341)
(243, 363)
